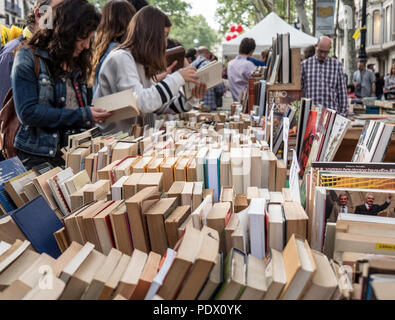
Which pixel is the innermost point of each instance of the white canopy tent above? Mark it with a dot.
(263, 34)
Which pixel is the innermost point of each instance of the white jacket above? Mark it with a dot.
(120, 72)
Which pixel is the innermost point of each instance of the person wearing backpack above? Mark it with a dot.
(55, 104)
(7, 52)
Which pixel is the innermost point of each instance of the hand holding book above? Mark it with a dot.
(199, 90)
(189, 74)
(99, 115)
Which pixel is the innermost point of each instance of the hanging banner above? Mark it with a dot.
(325, 18)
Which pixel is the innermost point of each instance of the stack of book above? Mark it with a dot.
(194, 269)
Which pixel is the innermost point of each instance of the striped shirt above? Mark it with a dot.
(120, 72)
(324, 83)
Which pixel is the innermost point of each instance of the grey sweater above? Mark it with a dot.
(120, 72)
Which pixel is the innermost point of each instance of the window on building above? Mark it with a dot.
(376, 27)
(369, 33)
(7, 19)
(388, 24)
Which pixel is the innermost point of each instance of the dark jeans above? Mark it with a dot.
(30, 160)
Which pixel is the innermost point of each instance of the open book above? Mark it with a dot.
(123, 105)
(210, 74)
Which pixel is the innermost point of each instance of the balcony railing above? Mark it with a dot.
(13, 8)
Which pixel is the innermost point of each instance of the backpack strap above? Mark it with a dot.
(36, 63)
(36, 66)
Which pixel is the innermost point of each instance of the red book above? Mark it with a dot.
(308, 139)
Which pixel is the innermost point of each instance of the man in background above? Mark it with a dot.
(341, 207)
(364, 81)
(214, 95)
(240, 69)
(369, 208)
(323, 78)
(190, 55)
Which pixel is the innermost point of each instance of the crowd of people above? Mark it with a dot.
(54, 73)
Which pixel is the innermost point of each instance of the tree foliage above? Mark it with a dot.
(250, 12)
(177, 10)
(195, 27)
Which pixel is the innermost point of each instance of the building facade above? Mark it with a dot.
(380, 36)
(14, 12)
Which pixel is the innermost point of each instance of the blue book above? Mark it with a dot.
(212, 172)
(9, 169)
(38, 222)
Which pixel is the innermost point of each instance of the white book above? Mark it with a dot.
(14, 255)
(158, 280)
(265, 194)
(276, 229)
(276, 197)
(62, 177)
(246, 169)
(385, 140)
(124, 105)
(256, 214)
(4, 246)
(225, 169)
(76, 262)
(265, 170)
(186, 194)
(197, 194)
(212, 172)
(116, 188)
(123, 168)
(242, 233)
(308, 267)
(339, 129)
(236, 163)
(275, 274)
(102, 158)
(210, 74)
(200, 163)
(199, 215)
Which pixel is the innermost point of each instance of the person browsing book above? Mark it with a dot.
(137, 62)
(364, 81)
(213, 97)
(240, 69)
(323, 78)
(55, 104)
(116, 16)
(369, 208)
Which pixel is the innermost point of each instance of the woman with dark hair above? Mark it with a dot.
(139, 4)
(116, 16)
(55, 104)
(136, 65)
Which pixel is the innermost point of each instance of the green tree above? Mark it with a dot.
(195, 27)
(177, 10)
(250, 12)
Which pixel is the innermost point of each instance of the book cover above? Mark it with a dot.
(307, 142)
(339, 129)
(38, 222)
(9, 169)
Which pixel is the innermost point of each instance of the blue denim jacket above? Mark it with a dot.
(39, 104)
